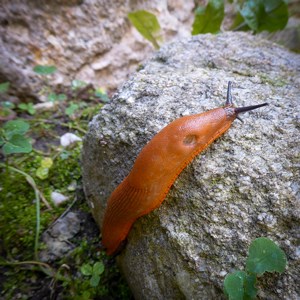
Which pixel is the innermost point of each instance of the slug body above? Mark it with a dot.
(157, 167)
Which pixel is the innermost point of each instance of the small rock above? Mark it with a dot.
(68, 139)
(58, 198)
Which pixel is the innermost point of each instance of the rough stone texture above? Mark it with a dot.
(57, 238)
(245, 185)
(90, 40)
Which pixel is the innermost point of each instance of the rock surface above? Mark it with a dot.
(245, 185)
(89, 40)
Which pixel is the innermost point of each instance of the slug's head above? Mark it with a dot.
(233, 112)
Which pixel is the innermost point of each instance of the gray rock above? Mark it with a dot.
(57, 237)
(245, 185)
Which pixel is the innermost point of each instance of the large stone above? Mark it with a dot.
(244, 186)
(90, 40)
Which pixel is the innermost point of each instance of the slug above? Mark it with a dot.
(159, 164)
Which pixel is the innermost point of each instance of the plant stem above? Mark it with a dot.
(69, 125)
(31, 181)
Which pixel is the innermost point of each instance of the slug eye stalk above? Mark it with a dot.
(239, 110)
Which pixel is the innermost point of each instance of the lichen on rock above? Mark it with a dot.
(245, 185)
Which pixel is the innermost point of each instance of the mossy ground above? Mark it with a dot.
(21, 274)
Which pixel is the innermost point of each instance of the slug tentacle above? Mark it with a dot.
(159, 164)
(229, 96)
(239, 110)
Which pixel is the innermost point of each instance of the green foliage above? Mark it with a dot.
(269, 15)
(12, 138)
(28, 107)
(26, 184)
(43, 171)
(53, 97)
(44, 70)
(239, 285)
(93, 271)
(77, 84)
(101, 93)
(264, 256)
(255, 15)
(209, 18)
(146, 24)
(4, 87)
(71, 109)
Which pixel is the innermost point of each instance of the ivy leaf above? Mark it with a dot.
(98, 268)
(240, 285)
(146, 24)
(94, 281)
(86, 269)
(15, 127)
(234, 285)
(4, 87)
(209, 19)
(269, 15)
(265, 256)
(17, 144)
(44, 70)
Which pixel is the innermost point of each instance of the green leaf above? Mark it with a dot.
(17, 144)
(98, 268)
(2, 141)
(70, 110)
(77, 84)
(44, 70)
(4, 87)
(47, 162)
(64, 154)
(8, 104)
(61, 97)
(15, 127)
(269, 15)
(22, 106)
(249, 286)
(100, 93)
(265, 256)
(146, 24)
(86, 269)
(234, 285)
(31, 109)
(94, 281)
(42, 173)
(209, 19)
(52, 97)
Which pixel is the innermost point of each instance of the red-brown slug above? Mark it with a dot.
(159, 164)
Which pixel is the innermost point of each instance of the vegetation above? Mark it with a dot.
(264, 256)
(29, 176)
(250, 15)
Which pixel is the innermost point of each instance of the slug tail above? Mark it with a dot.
(122, 211)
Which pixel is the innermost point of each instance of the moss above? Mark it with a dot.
(18, 220)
